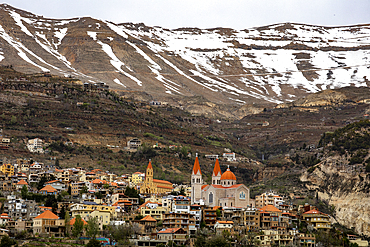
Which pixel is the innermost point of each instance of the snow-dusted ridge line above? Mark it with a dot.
(235, 64)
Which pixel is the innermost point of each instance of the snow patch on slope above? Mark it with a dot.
(114, 60)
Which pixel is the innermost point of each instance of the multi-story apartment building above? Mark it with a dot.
(167, 202)
(209, 216)
(77, 187)
(268, 199)
(181, 205)
(62, 175)
(88, 210)
(196, 211)
(154, 210)
(35, 168)
(317, 219)
(180, 220)
(21, 209)
(35, 145)
(273, 218)
(252, 218)
(7, 169)
(236, 215)
(137, 178)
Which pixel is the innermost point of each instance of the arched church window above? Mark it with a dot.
(210, 197)
(193, 180)
(213, 182)
(228, 182)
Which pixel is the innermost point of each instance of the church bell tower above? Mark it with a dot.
(196, 182)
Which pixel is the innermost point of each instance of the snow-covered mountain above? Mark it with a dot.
(276, 63)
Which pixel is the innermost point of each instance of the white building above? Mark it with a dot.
(269, 198)
(229, 156)
(35, 145)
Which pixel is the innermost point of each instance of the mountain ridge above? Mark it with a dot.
(227, 67)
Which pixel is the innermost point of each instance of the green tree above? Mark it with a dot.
(13, 120)
(77, 227)
(121, 233)
(83, 190)
(218, 212)
(24, 192)
(200, 240)
(218, 241)
(6, 241)
(62, 213)
(66, 221)
(92, 228)
(93, 243)
(98, 195)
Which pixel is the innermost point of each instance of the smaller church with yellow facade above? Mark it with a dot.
(154, 186)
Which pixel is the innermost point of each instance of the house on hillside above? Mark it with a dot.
(58, 185)
(133, 144)
(35, 145)
(48, 224)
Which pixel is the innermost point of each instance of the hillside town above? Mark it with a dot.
(44, 201)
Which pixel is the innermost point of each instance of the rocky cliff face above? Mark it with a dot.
(272, 64)
(346, 188)
(332, 98)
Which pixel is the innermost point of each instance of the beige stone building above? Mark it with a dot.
(223, 192)
(154, 186)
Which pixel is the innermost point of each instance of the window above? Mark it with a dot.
(210, 197)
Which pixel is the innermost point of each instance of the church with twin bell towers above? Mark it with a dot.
(223, 192)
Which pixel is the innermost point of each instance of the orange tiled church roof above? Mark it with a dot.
(217, 170)
(196, 167)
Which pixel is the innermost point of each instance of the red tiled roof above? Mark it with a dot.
(225, 222)
(314, 211)
(196, 167)
(270, 208)
(99, 181)
(203, 186)
(223, 187)
(164, 187)
(148, 218)
(49, 188)
(47, 215)
(170, 230)
(144, 204)
(122, 201)
(22, 182)
(161, 181)
(72, 221)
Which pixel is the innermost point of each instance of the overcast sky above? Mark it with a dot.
(237, 14)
